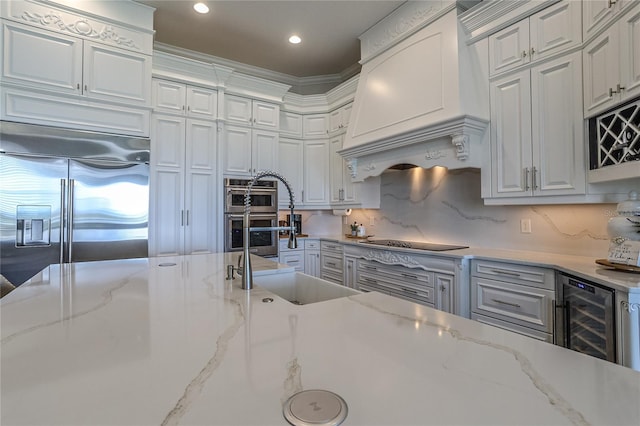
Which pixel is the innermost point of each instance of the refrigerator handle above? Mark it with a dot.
(72, 183)
(63, 190)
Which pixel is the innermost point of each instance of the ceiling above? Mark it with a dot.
(256, 32)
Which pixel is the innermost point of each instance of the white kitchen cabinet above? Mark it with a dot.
(183, 186)
(537, 131)
(343, 190)
(314, 126)
(612, 65)
(176, 98)
(515, 297)
(247, 151)
(552, 30)
(252, 112)
(339, 118)
(291, 166)
(332, 262)
(290, 124)
(628, 329)
(292, 257)
(312, 258)
(597, 14)
(443, 295)
(316, 172)
(68, 65)
(350, 276)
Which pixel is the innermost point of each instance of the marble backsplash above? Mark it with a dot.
(443, 206)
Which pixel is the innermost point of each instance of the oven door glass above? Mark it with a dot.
(262, 243)
(262, 200)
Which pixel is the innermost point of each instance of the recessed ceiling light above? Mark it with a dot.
(201, 8)
(294, 39)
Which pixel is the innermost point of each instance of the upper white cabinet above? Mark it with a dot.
(247, 151)
(552, 30)
(176, 98)
(316, 173)
(315, 126)
(537, 131)
(291, 162)
(69, 65)
(597, 14)
(290, 124)
(339, 118)
(251, 112)
(612, 65)
(183, 210)
(343, 190)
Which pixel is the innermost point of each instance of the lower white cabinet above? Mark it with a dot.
(628, 333)
(292, 257)
(183, 186)
(331, 262)
(312, 258)
(515, 297)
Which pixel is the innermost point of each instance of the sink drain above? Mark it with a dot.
(315, 407)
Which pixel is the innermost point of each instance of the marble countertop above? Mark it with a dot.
(581, 266)
(133, 342)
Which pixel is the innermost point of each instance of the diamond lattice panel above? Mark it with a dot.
(619, 135)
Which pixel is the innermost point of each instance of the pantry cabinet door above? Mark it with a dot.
(559, 158)
(237, 150)
(201, 187)
(511, 135)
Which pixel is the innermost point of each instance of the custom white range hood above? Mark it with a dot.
(422, 95)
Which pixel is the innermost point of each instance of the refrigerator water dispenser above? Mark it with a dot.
(33, 226)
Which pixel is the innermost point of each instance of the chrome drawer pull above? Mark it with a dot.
(331, 264)
(502, 302)
(370, 268)
(501, 272)
(407, 290)
(369, 280)
(409, 276)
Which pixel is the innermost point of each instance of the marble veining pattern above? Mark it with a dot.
(555, 399)
(182, 345)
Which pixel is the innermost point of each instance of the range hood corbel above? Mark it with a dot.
(422, 95)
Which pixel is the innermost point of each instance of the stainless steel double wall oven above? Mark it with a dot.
(264, 213)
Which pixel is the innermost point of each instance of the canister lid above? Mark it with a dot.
(630, 207)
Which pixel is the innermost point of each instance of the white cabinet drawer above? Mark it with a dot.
(526, 306)
(293, 258)
(330, 246)
(514, 273)
(525, 331)
(396, 273)
(312, 244)
(284, 243)
(332, 263)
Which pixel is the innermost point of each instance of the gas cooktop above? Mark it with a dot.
(414, 245)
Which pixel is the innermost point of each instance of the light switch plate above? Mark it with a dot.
(525, 226)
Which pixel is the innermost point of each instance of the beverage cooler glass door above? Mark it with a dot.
(589, 319)
(262, 243)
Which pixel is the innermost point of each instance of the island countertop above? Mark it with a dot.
(170, 341)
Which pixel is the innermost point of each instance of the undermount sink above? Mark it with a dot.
(301, 289)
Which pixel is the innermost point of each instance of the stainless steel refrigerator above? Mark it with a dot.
(70, 196)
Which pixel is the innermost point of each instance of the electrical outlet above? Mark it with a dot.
(525, 226)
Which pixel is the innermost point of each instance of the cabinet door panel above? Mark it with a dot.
(511, 134)
(314, 126)
(111, 73)
(555, 28)
(291, 124)
(264, 154)
(41, 58)
(316, 159)
(167, 141)
(595, 14)
(237, 109)
(202, 103)
(557, 127)
(168, 96)
(506, 47)
(166, 232)
(601, 71)
(237, 150)
(336, 166)
(291, 157)
(266, 115)
(630, 53)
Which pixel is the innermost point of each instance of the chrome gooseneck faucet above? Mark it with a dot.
(247, 272)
